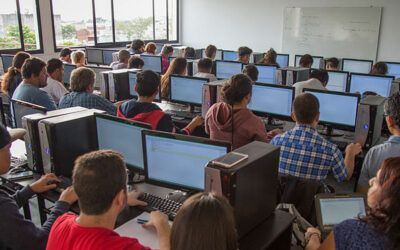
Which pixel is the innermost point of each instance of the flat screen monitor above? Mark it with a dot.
(20, 109)
(393, 69)
(337, 109)
(153, 63)
(273, 100)
(123, 136)
(363, 82)
(132, 84)
(108, 56)
(257, 57)
(159, 47)
(266, 73)
(186, 89)
(67, 72)
(97, 71)
(229, 55)
(227, 69)
(357, 66)
(7, 61)
(282, 60)
(171, 58)
(94, 55)
(337, 81)
(316, 61)
(178, 161)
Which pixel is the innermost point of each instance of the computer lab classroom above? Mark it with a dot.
(225, 124)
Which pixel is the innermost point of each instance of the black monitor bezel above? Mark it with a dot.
(320, 57)
(69, 79)
(218, 61)
(154, 56)
(137, 96)
(124, 121)
(265, 65)
(363, 74)
(87, 55)
(41, 109)
(175, 136)
(282, 54)
(104, 63)
(186, 77)
(339, 71)
(360, 60)
(337, 125)
(6, 55)
(273, 115)
(224, 50)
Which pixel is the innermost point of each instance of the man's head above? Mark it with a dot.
(78, 57)
(189, 52)
(306, 61)
(392, 112)
(306, 109)
(55, 68)
(137, 45)
(251, 71)
(205, 65)
(99, 179)
(211, 51)
(34, 72)
(135, 62)
(379, 68)
(321, 75)
(124, 56)
(6, 138)
(244, 54)
(65, 55)
(147, 83)
(167, 50)
(332, 63)
(82, 79)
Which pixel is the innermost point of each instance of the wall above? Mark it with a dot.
(229, 24)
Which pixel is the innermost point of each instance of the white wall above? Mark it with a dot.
(229, 24)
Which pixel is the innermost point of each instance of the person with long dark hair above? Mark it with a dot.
(13, 76)
(177, 67)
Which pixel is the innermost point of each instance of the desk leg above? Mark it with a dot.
(42, 209)
(27, 211)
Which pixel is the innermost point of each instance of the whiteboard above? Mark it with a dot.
(343, 32)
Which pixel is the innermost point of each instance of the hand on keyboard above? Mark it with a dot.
(133, 199)
(68, 195)
(157, 220)
(45, 183)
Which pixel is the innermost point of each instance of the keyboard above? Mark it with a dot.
(341, 144)
(64, 184)
(179, 113)
(168, 207)
(17, 162)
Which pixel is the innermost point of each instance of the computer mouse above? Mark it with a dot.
(177, 195)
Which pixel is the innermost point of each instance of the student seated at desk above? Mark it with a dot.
(55, 88)
(150, 49)
(65, 55)
(12, 78)
(137, 47)
(165, 54)
(380, 228)
(123, 58)
(270, 58)
(231, 120)
(379, 68)
(244, 54)
(82, 86)
(177, 67)
(251, 71)
(332, 63)
(135, 62)
(16, 231)
(144, 110)
(204, 68)
(211, 51)
(189, 52)
(391, 148)
(318, 80)
(306, 61)
(306, 154)
(78, 58)
(35, 76)
(205, 221)
(99, 179)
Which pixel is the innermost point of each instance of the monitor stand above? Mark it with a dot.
(328, 131)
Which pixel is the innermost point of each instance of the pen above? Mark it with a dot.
(140, 221)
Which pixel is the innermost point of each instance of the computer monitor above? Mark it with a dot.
(97, 70)
(266, 73)
(282, 60)
(364, 82)
(20, 109)
(171, 58)
(393, 69)
(218, 54)
(179, 161)
(257, 57)
(94, 55)
(337, 80)
(273, 100)
(337, 109)
(227, 69)
(108, 56)
(123, 136)
(186, 89)
(132, 84)
(316, 61)
(67, 72)
(159, 47)
(152, 62)
(229, 55)
(357, 66)
(6, 61)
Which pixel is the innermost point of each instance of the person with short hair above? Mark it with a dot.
(306, 61)
(12, 78)
(78, 58)
(82, 86)
(211, 51)
(391, 148)
(135, 62)
(251, 71)
(204, 69)
(270, 58)
(150, 49)
(65, 55)
(123, 58)
(318, 80)
(379, 68)
(165, 54)
(99, 179)
(16, 231)
(55, 88)
(137, 47)
(332, 63)
(306, 154)
(244, 54)
(177, 67)
(144, 110)
(34, 76)
(189, 52)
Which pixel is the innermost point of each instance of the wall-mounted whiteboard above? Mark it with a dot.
(343, 32)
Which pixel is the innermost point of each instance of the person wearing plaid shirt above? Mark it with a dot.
(305, 154)
(82, 85)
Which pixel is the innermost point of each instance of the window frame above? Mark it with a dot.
(40, 37)
(114, 44)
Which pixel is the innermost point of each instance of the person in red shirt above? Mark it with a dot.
(99, 179)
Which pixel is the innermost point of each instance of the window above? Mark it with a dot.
(116, 22)
(17, 16)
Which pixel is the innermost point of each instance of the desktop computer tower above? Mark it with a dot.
(32, 138)
(369, 121)
(64, 138)
(210, 95)
(250, 186)
(290, 75)
(104, 85)
(118, 85)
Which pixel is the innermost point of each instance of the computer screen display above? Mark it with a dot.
(357, 66)
(132, 84)
(336, 210)
(266, 74)
(225, 70)
(393, 69)
(229, 55)
(282, 60)
(152, 62)
(159, 47)
(67, 72)
(123, 136)
(20, 109)
(272, 100)
(94, 56)
(316, 61)
(337, 81)
(337, 108)
(187, 89)
(378, 84)
(7, 62)
(108, 56)
(179, 161)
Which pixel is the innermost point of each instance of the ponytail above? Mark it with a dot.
(17, 63)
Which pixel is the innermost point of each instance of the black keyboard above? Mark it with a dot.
(168, 207)
(179, 113)
(64, 184)
(17, 162)
(341, 144)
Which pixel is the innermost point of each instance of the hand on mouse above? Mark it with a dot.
(45, 183)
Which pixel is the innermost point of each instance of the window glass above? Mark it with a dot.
(172, 20)
(9, 26)
(30, 25)
(160, 17)
(103, 21)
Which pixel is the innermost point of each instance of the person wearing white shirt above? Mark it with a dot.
(55, 88)
(204, 67)
(318, 80)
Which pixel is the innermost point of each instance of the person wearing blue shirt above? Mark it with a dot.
(34, 77)
(137, 47)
